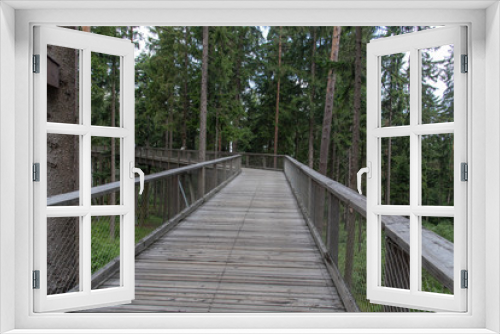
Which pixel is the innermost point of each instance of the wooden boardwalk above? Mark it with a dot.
(247, 249)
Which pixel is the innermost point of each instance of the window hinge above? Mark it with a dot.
(464, 171)
(36, 279)
(465, 64)
(36, 172)
(36, 63)
(465, 279)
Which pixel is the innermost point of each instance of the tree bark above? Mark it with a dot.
(357, 110)
(238, 84)
(311, 103)
(276, 120)
(354, 158)
(330, 92)
(186, 101)
(203, 111)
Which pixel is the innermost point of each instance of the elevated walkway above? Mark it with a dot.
(247, 249)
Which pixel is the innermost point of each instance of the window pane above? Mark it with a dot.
(105, 251)
(437, 84)
(105, 89)
(63, 255)
(63, 176)
(437, 169)
(395, 254)
(437, 236)
(63, 85)
(395, 89)
(106, 168)
(395, 173)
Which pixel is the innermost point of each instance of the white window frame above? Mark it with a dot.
(85, 297)
(484, 103)
(413, 43)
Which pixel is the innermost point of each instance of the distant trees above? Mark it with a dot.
(268, 89)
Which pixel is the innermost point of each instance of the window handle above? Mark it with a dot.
(368, 171)
(134, 170)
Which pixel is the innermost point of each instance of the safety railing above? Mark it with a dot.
(336, 216)
(173, 158)
(262, 161)
(168, 197)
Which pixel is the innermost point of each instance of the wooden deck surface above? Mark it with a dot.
(247, 249)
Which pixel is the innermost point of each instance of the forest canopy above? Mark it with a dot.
(256, 74)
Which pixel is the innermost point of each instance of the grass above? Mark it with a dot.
(105, 248)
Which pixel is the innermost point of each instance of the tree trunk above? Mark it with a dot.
(277, 104)
(185, 111)
(238, 85)
(311, 103)
(203, 112)
(354, 158)
(330, 92)
(357, 110)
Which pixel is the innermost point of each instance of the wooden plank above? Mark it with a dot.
(248, 249)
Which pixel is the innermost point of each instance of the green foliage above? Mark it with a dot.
(242, 87)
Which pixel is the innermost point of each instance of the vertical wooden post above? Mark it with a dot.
(145, 203)
(310, 196)
(216, 183)
(155, 189)
(201, 182)
(191, 188)
(247, 160)
(177, 194)
(136, 204)
(349, 249)
(224, 167)
(264, 165)
(164, 199)
(332, 236)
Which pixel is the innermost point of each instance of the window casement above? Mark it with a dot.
(78, 215)
(413, 127)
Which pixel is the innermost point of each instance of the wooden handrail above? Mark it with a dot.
(437, 252)
(104, 189)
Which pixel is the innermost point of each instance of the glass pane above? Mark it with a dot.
(395, 252)
(395, 172)
(106, 168)
(63, 255)
(106, 250)
(105, 89)
(437, 84)
(63, 176)
(395, 89)
(437, 169)
(437, 236)
(63, 85)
